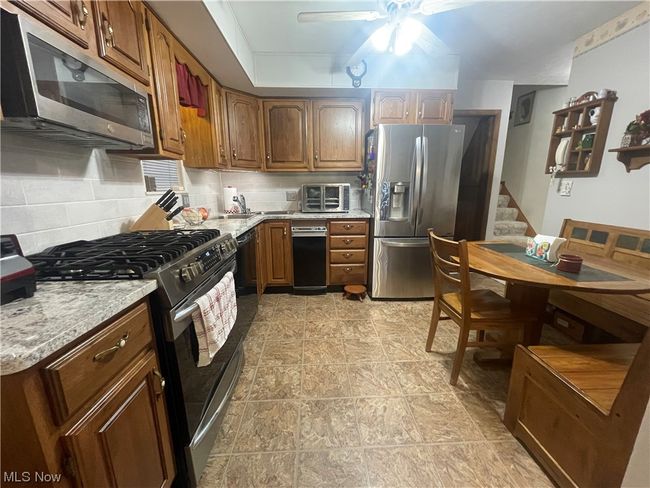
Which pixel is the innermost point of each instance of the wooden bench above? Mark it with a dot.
(578, 408)
(624, 316)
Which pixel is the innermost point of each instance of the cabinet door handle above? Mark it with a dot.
(268, 156)
(83, 15)
(222, 151)
(407, 113)
(107, 352)
(161, 379)
(234, 153)
(420, 114)
(347, 241)
(284, 232)
(108, 33)
(316, 156)
(183, 135)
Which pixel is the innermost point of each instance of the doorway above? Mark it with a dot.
(477, 169)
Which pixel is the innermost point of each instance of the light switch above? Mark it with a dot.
(565, 188)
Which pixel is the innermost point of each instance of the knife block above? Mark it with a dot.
(152, 219)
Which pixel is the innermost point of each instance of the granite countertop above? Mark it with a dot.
(59, 312)
(237, 227)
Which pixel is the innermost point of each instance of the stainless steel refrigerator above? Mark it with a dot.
(413, 175)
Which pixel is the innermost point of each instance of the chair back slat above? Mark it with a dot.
(451, 269)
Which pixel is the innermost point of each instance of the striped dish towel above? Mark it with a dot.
(215, 318)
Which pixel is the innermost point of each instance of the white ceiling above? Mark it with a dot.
(524, 41)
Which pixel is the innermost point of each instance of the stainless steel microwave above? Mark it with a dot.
(52, 88)
(332, 197)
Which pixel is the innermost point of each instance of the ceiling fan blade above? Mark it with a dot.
(431, 7)
(431, 43)
(340, 16)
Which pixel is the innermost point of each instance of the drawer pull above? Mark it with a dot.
(161, 379)
(347, 241)
(347, 254)
(347, 270)
(118, 345)
(347, 226)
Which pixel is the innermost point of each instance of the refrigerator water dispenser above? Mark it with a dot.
(399, 199)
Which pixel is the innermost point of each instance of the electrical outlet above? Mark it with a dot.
(565, 188)
(292, 196)
(185, 200)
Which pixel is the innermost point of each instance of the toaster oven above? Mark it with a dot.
(331, 197)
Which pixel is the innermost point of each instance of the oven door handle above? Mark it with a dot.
(206, 426)
(187, 311)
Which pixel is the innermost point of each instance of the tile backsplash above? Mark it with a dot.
(55, 193)
(267, 191)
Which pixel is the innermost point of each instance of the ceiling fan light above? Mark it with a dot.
(408, 31)
(381, 37)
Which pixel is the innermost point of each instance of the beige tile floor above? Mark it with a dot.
(342, 394)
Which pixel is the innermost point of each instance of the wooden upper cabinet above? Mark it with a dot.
(243, 130)
(68, 17)
(219, 137)
(121, 36)
(197, 129)
(165, 90)
(286, 135)
(412, 107)
(125, 439)
(434, 107)
(392, 107)
(279, 253)
(338, 134)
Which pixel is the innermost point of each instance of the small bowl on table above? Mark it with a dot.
(569, 263)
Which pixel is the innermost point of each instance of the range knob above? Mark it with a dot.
(186, 274)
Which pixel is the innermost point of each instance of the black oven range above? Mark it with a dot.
(186, 264)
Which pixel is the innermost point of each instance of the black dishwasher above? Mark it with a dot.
(309, 257)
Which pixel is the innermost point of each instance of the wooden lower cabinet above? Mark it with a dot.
(347, 255)
(117, 434)
(126, 439)
(279, 253)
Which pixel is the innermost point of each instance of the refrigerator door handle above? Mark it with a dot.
(406, 243)
(425, 167)
(415, 183)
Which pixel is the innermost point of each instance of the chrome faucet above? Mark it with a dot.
(241, 201)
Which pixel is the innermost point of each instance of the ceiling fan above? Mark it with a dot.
(400, 32)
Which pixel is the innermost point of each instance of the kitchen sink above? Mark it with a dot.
(275, 212)
(235, 216)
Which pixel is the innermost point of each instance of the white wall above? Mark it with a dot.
(526, 150)
(267, 191)
(489, 94)
(614, 197)
(637, 474)
(55, 193)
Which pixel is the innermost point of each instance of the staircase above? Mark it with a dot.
(511, 224)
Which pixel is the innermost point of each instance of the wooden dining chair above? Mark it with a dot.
(482, 311)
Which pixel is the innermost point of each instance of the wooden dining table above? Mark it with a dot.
(529, 281)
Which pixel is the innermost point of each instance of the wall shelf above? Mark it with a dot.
(633, 157)
(580, 161)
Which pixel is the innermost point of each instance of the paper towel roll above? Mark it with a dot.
(228, 193)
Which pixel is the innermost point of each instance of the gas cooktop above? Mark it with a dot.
(122, 256)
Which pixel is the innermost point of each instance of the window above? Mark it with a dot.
(161, 175)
